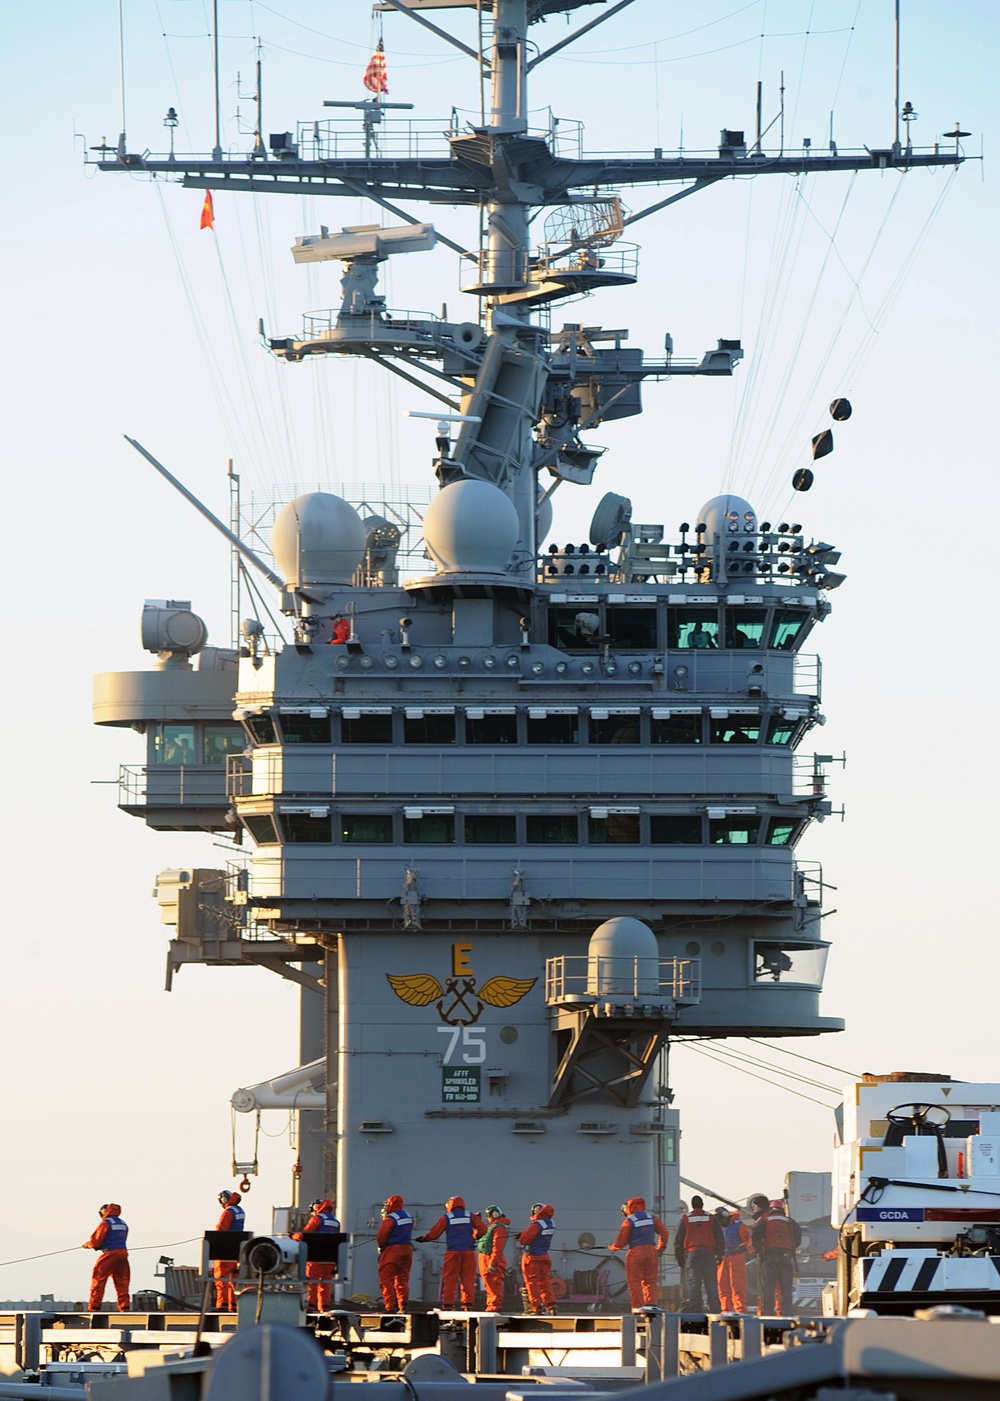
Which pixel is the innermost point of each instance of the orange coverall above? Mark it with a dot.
(395, 1258)
(733, 1266)
(318, 1272)
(493, 1262)
(641, 1262)
(458, 1273)
(225, 1271)
(113, 1263)
(537, 1269)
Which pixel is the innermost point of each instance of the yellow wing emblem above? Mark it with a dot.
(504, 992)
(415, 989)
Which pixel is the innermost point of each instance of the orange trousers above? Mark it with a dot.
(733, 1282)
(113, 1264)
(492, 1270)
(537, 1271)
(458, 1277)
(225, 1272)
(641, 1274)
(394, 1276)
(319, 1273)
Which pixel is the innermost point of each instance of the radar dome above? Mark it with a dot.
(318, 539)
(623, 958)
(470, 527)
(728, 516)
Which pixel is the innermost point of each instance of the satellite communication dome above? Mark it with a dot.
(470, 527)
(623, 958)
(727, 516)
(318, 539)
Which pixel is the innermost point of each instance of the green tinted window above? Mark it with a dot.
(373, 827)
(429, 729)
(558, 830)
(786, 627)
(261, 827)
(436, 829)
(780, 831)
(223, 740)
(693, 627)
(615, 729)
(491, 830)
(745, 627)
(174, 744)
(737, 729)
(780, 730)
(733, 831)
(553, 729)
(303, 827)
(261, 728)
(632, 628)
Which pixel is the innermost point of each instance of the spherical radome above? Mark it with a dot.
(318, 539)
(472, 527)
(623, 957)
(728, 515)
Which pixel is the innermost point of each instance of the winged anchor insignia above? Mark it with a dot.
(458, 1001)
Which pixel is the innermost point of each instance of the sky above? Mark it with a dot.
(122, 316)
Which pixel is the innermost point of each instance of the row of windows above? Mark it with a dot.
(589, 626)
(510, 829)
(504, 726)
(196, 744)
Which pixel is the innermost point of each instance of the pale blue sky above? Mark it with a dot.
(122, 317)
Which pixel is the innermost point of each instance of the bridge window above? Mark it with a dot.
(366, 727)
(493, 829)
(613, 728)
(632, 629)
(676, 729)
(789, 963)
(261, 729)
(374, 828)
(560, 829)
(433, 829)
(260, 826)
(675, 831)
(735, 729)
(780, 730)
(745, 627)
(693, 627)
(733, 831)
(306, 827)
(426, 727)
(223, 740)
(551, 727)
(482, 727)
(616, 829)
(781, 830)
(574, 630)
(787, 625)
(174, 744)
(305, 728)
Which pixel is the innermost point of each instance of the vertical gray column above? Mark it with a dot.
(312, 1040)
(332, 1049)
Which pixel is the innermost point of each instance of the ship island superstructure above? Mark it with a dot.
(518, 820)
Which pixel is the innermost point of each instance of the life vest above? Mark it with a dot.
(643, 1230)
(327, 1222)
(117, 1233)
(238, 1216)
(485, 1243)
(698, 1232)
(402, 1229)
(734, 1237)
(777, 1232)
(458, 1232)
(546, 1230)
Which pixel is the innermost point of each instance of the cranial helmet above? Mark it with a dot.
(224, 1196)
(493, 1210)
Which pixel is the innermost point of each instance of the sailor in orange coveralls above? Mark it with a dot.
(461, 1228)
(492, 1261)
(643, 1235)
(225, 1271)
(395, 1254)
(109, 1239)
(536, 1267)
(733, 1265)
(319, 1272)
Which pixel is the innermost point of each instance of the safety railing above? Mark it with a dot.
(173, 785)
(633, 980)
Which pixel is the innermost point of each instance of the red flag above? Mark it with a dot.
(207, 213)
(375, 79)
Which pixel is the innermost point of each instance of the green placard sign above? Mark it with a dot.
(460, 1084)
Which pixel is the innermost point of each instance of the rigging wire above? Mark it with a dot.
(701, 1051)
(740, 1058)
(853, 1074)
(72, 1249)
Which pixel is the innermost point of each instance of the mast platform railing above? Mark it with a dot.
(639, 983)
